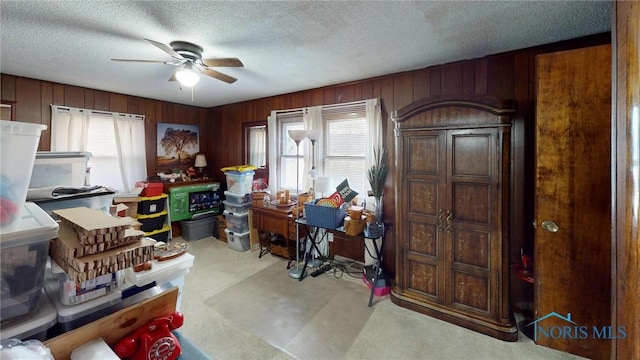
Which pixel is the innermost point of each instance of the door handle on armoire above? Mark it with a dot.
(444, 220)
(440, 219)
(448, 228)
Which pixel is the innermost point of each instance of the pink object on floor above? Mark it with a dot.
(379, 291)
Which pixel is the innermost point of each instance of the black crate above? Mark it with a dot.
(152, 222)
(152, 205)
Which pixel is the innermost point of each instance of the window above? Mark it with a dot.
(349, 132)
(291, 159)
(115, 141)
(255, 144)
(345, 149)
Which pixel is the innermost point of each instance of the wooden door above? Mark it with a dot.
(573, 191)
(424, 191)
(472, 222)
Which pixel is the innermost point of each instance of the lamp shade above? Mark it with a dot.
(201, 161)
(313, 134)
(297, 135)
(186, 76)
(323, 185)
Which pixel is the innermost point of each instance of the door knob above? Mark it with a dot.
(550, 226)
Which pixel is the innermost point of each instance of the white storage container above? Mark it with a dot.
(237, 199)
(18, 145)
(72, 293)
(237, 222)
(237, 241)
(162, 272)
(34, 326)
(73, 316)
(64, 168)
(237, 209)
(23, 258)
(100, 200)
(239, 183)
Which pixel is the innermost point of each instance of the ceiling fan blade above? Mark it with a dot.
(223, 62)
(143, 61)
(167, 49)
(219, 76)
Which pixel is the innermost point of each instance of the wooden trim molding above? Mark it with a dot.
(626, 184)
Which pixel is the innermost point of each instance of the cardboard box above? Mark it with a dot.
(130, 202)
(222, 226)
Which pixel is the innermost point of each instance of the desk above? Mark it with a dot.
(276, 225)
(313, 234)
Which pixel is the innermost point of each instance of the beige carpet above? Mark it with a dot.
(238, 306)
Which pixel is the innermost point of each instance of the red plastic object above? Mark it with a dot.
(379, 291)
(153, 341)
(523, 274)
(152, 189)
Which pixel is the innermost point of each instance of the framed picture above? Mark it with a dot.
(177, 146)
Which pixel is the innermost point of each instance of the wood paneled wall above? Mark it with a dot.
(507, 76)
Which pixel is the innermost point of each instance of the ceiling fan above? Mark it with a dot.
(189, 57)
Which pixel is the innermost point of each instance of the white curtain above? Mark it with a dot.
(273, 155)
(69, 129)
(257, 141)
(116, 142)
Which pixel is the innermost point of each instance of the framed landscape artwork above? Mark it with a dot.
(177, 146)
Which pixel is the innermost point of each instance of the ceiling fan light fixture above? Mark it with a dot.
(187, 76)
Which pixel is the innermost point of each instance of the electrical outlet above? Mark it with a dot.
(330, 237)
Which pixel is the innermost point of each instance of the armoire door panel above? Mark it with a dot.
(472, 155)
(471, 247)
(423, 238)
(471, 202)
(423, 155)
(471, 291)
(423, 278)
(424, 197)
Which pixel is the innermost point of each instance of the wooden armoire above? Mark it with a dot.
(452, 212)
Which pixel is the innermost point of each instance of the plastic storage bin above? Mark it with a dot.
(237, 199)
(73, 316)
(163, 234)
(63, 168)
(323, 216)
(237, 241)
(237, 222)
(167, 272)
(152, 189)
(34, 326)
(23, 259)
(152, 205)
(18, 145)
(237, 209)
(239, 183)
(152, 222)
(72, 293)
(199, 227)
(99, 200)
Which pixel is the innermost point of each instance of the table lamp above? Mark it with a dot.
(201, 162)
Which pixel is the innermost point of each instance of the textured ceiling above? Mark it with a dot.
(285, 46)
